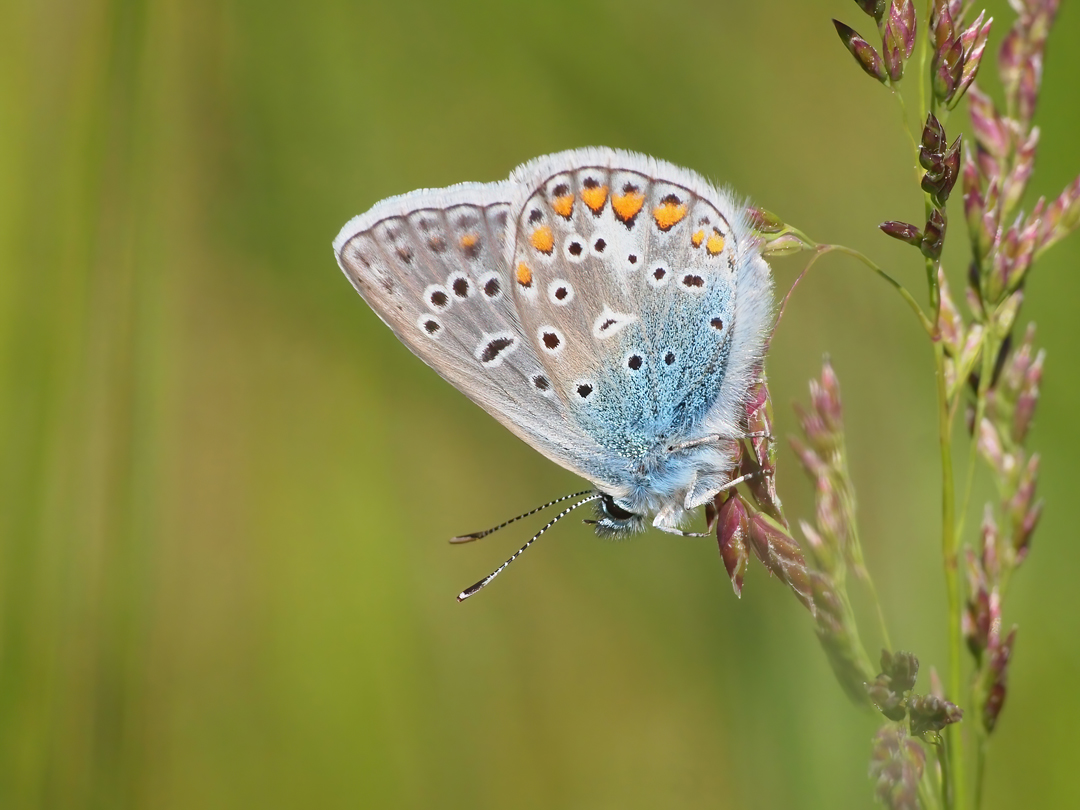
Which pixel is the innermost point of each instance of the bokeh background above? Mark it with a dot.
(226, 489)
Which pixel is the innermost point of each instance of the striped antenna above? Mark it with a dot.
(468, 538)
(465, 594)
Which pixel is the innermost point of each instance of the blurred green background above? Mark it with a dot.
(226, 489)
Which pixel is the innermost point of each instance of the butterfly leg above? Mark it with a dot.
(681, 533)
(716, 438)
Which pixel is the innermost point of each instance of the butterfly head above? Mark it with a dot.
(615, 518)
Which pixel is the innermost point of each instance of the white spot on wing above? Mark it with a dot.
(611, 323)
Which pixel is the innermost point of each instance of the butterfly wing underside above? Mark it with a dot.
(600, 304)
(431, 265)
(645, 299)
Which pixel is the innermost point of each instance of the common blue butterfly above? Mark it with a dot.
(608, 308)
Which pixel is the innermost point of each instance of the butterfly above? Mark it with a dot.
(610, 309)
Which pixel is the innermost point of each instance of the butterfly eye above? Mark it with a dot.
(613, 510)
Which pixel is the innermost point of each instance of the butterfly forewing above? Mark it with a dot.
(431, 264)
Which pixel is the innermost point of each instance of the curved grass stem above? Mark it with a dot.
(900, 288)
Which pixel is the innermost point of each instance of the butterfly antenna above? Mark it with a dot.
(468, 538)
(465, 594)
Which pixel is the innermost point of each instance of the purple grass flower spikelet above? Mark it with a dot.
(1027, 397)
(934, 235)
(991, 132)
(888, 691)
(778, 551)
(761, 463)
(1020, 60)
(875, 8)
(903, 231)
(973, 42)
(755, 521)
(901, 668)
(930, 714)
(1016, 181)
(998, 681)
(765, 222)
(897, 766)
(898, 38)
(941, 161)
(868, 58)
(732, 529)
(932, 143)
(1062, 216)
(947, 62)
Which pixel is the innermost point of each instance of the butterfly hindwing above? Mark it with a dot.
(646, 261)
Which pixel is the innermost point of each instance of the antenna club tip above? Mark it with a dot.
(465, 538)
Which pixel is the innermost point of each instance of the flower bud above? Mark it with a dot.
(896, 767)
(779, 552)
(976, 618)
(1062, 216)
(990, 445)
(950, 323)
(732, 527)
(933, 142)
(1028, 398)
(990, 132)
(898, 38)
(973, 42)
(934, 235)
(999, 676)
(787, 244)
(885, 700)
(1023, 534)
(1016, 181)
(764, 221)
(864, 53)
(930, 714)
(947, 63)
(875, 8)
(901, 668)
(903, 231)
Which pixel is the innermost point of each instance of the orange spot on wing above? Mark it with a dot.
(697, 238)
(524, 275)
(564, 206)
(626, 207)
(594, 197)
(469, 240)
(542, 239)
(668, 214)
(715, 243)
